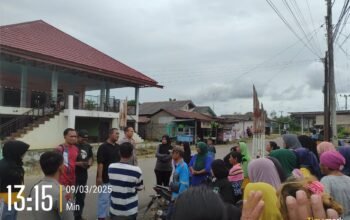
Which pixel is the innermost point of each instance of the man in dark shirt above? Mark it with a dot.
(107, 153)
(84, 161)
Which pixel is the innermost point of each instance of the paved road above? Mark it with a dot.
(147, 166)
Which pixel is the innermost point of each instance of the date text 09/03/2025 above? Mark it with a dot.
(43, 198)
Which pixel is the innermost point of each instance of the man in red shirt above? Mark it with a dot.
(70, 153)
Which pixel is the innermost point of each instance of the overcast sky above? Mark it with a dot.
(209, 51)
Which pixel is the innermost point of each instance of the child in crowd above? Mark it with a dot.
(236, 175)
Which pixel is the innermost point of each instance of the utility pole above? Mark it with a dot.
(332, 97)
(346, 100)
(326, 125)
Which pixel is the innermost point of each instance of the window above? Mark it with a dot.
(12, 97)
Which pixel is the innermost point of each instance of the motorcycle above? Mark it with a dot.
(161, 199)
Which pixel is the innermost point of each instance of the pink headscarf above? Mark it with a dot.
(333, 160)
(324, 146)
(263, 170)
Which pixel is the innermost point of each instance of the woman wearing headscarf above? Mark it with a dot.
(323, 147)
(291, 141)
(220, 183)
(308, 143)
(280, 171)
(200, 164)
(307, 160)
(243, 148)
(335, 182)
(163, 165)
(263, 170)
(270, 146)
(11, 173)
(345, 151)
(271, 211)
(287, 159)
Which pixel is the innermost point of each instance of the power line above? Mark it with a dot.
(297, 22)
(262, 63)
(289, 26)
(269, 80)
(342, 28)
(340, 19)
(221, 74)
(175, 73)
(313, 23)
(305, 24)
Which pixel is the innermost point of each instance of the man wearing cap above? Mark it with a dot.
(84, 161)
(181, 177)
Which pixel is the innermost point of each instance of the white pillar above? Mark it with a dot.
(54, 86)
(137, 97)
(107, 95)
(115, 123)
(1, 95)
(24, 85)
(71, 116)
(102, 98)
(302, 124)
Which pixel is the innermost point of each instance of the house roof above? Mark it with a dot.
(150, 108)
(245, 117)
(187, 115)
(144, 120)
(204, 110)
(340, 112)
(38, 40)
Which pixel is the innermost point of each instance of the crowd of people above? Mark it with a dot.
(301, 180)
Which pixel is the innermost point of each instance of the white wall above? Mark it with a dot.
(47, 135)
(241, 127)
(50, 134)
(5, 110)
(341, 120)
(95, 114)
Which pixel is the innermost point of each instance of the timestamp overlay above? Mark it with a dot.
(88, 189)
(43, 197)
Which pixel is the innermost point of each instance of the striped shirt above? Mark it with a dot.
(125, 181)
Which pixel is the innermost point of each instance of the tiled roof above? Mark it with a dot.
(37, 39)
(149, 108)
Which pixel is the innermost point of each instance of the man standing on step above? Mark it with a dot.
(84, 161)
(128, 137)
(107, 153)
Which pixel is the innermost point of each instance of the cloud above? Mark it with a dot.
(198, 49)
(315, 75)
(224, 92)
